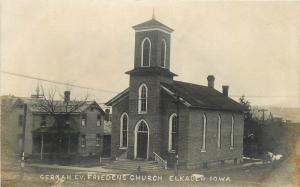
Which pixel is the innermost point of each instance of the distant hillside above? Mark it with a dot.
(285, 113)
(292, 114)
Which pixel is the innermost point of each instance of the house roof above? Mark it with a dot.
(36, 105)
(152, 24)
(202, 96)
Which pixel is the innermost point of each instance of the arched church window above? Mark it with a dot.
(143, 94)
(204, 121)
(146, 52)
(163, 53)
(219, 132)
(124, 131)
(173, 127)
(232, 132)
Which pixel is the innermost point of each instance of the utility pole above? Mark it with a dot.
(23, 137)
(263, 117)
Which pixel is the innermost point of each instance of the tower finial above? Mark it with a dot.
(153, 13)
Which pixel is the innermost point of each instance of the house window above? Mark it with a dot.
(21, 120)
(20, 142)
(43, 121)
(219, 132)
(98, 120)
(92, 108)
(83, 120)
(83, 141)
(163, 53)
(67, 121)
(173, 128)
(146, 52)
(124, 131)
(97, 140)
(143, 99)
(232, 133)
(204, 121)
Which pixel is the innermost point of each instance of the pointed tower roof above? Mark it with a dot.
(152, 24)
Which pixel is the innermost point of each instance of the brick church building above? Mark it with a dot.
(160, 117)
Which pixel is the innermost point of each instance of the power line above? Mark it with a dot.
(57, 82)
(114, 92)
(264, 96)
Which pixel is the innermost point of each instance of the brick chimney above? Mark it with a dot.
(225, 90)
(107, 112)
(210, 81)
(67, 96)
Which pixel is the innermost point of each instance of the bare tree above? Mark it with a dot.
(60, 111)
(48, 103)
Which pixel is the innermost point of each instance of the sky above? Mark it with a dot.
(254, 47)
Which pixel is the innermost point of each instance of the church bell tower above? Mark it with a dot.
(152, 48)
(152, 45)
(151, 68)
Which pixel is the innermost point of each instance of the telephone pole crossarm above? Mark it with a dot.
(263, 114)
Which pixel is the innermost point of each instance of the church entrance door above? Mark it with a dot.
(142, 138)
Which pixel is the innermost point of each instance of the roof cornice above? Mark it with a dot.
(153, 24)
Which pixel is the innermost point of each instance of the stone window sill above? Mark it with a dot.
(203, 151)
(123, 148)
(231, 148)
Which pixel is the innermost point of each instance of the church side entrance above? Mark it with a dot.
(141, 140)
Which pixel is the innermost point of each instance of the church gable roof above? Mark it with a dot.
(118, 97)
(152, 24)
(202, 96)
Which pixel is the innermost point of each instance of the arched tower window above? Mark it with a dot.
(163, 53)
(219, 132)
(204, 121)
(146, 52)
(173, 127)
(142, 102)
(124, 131)
(232, 132)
